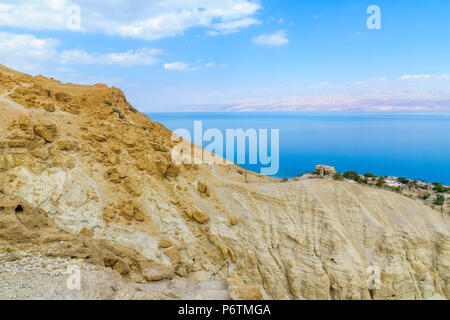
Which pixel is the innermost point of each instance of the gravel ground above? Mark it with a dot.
(25, 276)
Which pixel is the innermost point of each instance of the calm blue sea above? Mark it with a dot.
(414, 145)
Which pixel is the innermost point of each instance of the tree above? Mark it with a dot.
(369, 175)
(439, 201)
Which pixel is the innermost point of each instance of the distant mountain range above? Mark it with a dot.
(385, 101)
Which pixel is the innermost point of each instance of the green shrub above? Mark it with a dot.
(121, 116)
(425, 196)
(9, 250)
(337, 176)
(369, 175)
(403, 180)
(439, 188)
(284, 180)
(109, 103)
(439, 201)
(132, 109)
(352, 175)
(381, 182)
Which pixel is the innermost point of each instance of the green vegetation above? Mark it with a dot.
(121, 116)
(284, 180)
(9, 250)
(439, 188)
(413, 184)
(381, 182)
(439, 201)
(337, 176)
(352, 175)
(132, 109)
(425, 196)
(403, 180)
(109, 103)
(369, 175)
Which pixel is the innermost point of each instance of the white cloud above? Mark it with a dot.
(317, 16)
(445, 76)
(129, 58)
(371, 81)
(214, 65)
(149, 20)
(212, 33)
(28, 53)
(275, 39)
(324, 83)
(234, 25)
(358, 33)
(179, 66)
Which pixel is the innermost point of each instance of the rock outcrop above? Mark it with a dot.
(91, 178)
(325, 170)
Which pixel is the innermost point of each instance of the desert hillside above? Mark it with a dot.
(85, 177)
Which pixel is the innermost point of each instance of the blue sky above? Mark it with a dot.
(175, 53)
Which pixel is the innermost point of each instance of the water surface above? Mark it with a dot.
(414, 145)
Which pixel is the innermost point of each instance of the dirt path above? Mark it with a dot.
(10, 111)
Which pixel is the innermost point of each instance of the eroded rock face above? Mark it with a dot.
(325, 170)
(103, 188)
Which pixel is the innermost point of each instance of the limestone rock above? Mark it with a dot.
(133, 186)
(173, 254)
(325, 170)
(164, 243)
(172, 171)
(203, 189)
(86, 232)
(41, 153)
(67, 145)
(122, 267)
(47, 131)
(200, 217)
(239, 290)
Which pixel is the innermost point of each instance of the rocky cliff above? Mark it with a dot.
(84, 175)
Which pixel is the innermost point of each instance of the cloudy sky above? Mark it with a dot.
(176, 53)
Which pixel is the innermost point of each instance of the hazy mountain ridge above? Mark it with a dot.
(383, 102)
